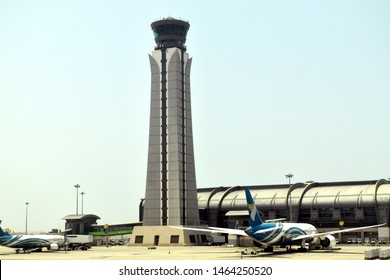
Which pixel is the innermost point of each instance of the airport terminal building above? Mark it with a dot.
(325, 205)
(328, 206)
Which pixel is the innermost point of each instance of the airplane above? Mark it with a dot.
(284, 235)
(31, 243)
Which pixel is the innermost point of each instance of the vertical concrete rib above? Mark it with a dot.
(164, 152)
(183, 127)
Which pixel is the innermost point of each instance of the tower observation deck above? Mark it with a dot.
(170, 33)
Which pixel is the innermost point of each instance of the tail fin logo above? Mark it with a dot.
(253, 210)
(254, 217)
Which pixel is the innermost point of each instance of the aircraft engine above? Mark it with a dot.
(53, 246)
(328, 241)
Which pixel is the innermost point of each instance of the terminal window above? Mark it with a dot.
(174, 239)
(139, 239)
(192, 239)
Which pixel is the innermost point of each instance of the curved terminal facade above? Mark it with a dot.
(325, 205)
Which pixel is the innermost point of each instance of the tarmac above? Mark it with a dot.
(342, 252)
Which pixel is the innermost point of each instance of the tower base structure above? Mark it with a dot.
(167, 236)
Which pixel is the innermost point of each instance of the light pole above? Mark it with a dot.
(289, 176)
(77, 186)
(26, 214)
(82, 202)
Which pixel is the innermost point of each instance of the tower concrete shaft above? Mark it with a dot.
(171, 194)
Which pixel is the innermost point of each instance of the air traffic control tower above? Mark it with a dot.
(171, 193)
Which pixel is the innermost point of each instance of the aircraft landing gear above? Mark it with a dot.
(304, 247)
(25, 251)
(269, 249)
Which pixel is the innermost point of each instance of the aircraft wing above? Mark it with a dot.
(216, 230)
(307, 236)
(229, 231)
(241, 232)
(276, 220)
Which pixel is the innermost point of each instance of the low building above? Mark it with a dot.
(116, 234)
(80, 224)
(102, 234)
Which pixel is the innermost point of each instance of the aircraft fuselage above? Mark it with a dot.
(279, 233)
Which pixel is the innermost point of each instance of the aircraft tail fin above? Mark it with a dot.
(254, 217)
(2, 233)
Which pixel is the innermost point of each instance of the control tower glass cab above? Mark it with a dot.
(170, 33)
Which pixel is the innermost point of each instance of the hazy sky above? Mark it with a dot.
(277, 87)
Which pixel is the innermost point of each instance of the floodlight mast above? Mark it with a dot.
(77, 186)
(289, 176)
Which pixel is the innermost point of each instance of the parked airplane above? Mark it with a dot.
(270, 234)
(29, 243)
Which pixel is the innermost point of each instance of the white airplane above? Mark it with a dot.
(270, 234)
(30, 243)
